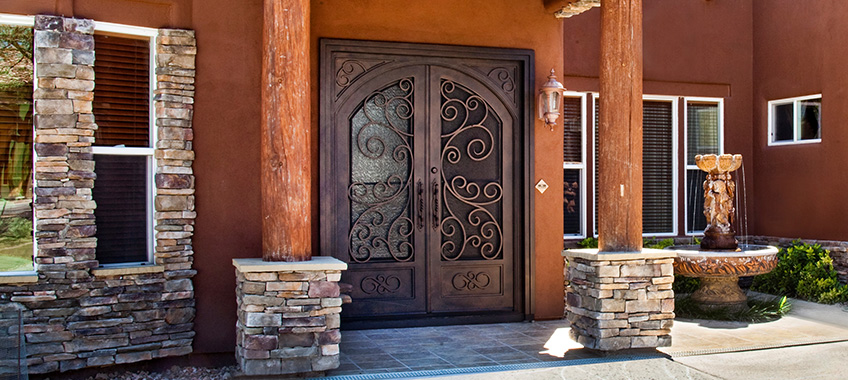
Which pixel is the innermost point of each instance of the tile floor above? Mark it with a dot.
(444, 347)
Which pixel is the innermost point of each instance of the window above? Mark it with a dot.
(795, 120)
(659, 166)
(16, 127)
(703, 123)
(123, 144)
(574, 164)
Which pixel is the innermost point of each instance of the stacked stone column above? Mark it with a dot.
(64, 164)
(619, 301)
(288, 316)
(174, 104)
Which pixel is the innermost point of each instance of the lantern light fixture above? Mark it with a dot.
(550, 97)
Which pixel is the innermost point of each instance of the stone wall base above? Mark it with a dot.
(618, 301)
(288, 316)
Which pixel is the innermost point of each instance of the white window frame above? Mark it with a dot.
(149, 33)
(796, 129)
(694, 99)
(18, 20)
(579, 165)
(675, 127)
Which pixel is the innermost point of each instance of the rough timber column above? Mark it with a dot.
(286, 230)
(620, 129)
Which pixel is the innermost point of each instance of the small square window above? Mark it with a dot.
(795, 120)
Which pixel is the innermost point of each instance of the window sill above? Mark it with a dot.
(135, 269)
(19, 279)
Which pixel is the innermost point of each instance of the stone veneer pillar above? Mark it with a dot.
(288, 316)
(618, 301)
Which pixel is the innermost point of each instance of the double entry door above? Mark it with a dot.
(418, 176)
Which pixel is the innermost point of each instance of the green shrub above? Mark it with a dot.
(685, 285)
(804, 271)
(588, 242)
(657, 244)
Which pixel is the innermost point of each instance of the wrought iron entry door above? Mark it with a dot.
(418, 182)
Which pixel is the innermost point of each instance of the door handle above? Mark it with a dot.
(436, 216)
(420, 191)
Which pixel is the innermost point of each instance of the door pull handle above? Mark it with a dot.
(420, 217)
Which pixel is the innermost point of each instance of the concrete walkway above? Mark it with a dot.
(809, 343)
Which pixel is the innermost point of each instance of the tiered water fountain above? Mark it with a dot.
(721, 260)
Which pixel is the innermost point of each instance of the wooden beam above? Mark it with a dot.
(620, 128)
(285, 155)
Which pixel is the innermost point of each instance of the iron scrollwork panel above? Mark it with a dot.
(471, 176)
(380, 190)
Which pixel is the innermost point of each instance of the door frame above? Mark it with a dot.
(522, 163)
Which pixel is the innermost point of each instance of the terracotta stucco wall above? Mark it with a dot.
(495, 23)
(227, 117)
(799, 49)
(691, 48)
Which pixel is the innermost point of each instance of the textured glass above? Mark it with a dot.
(809, 119)
(695, 220)
(571, 202)
(472, 176)
(782, 119)
(701, 130)
(381, 143)
(572, 119)
(120, 192)
(16, 148)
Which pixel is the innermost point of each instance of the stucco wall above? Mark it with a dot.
(691, 48)
(799, 49)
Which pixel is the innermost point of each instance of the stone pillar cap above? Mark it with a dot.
(317, 263)
(593, 254)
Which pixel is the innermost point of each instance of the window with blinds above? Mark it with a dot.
(657, 166)
(703, 128)
(123, 150)
(16, 117)
(573, 118)
(122, 91)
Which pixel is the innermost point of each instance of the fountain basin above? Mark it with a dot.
(719, 271)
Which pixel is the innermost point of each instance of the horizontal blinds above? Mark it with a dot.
(572, 118)
(657, 171)
(122, 91)
(701, 130)
(120, 192)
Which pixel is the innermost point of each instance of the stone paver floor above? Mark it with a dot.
(447, 347)
(444, 347)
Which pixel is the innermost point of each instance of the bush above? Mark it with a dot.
(804, 271)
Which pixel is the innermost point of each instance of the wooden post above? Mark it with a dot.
(285, 161)
(620, 129)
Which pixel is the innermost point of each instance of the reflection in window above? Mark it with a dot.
(795, 120)
(703, 126)
(16, 84)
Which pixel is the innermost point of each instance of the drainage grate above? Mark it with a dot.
(494, 368)
(751, 348)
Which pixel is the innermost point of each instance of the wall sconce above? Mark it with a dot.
(550, 97)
